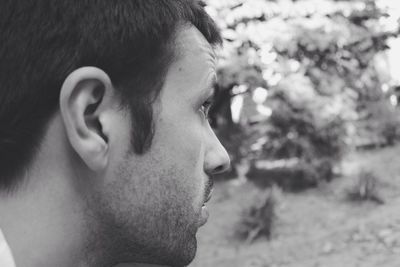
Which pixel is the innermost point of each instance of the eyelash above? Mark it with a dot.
(205, 107)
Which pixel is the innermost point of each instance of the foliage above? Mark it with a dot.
(319, 61)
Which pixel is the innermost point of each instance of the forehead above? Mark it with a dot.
(192, 73)
(191, 47)
(193, 70)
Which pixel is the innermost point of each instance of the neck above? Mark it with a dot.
(42, 219)
(38, 223)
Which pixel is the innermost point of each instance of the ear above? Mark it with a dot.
(85, 99)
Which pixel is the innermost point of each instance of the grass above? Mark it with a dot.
(305, 223)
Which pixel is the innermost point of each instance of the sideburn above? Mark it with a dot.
(142, 132)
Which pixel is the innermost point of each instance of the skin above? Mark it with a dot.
(88, 200)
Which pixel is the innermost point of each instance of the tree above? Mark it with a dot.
(317, 59)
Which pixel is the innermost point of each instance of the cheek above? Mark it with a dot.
(181, 145)
(181, 139)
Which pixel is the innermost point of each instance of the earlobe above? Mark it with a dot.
(84, 98)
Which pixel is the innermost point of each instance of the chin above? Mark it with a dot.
(184, 253)
(184, 259)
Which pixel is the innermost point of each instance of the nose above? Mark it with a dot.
(216, 159)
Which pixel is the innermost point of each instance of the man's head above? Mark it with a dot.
(102, 114)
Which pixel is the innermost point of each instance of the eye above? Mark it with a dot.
(205, 107)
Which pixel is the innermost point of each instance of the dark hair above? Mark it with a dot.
(42, 41)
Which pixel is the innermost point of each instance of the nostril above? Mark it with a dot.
(217, 160)
(220, 168)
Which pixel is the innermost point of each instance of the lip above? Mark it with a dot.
(209, 195)
(203, 216)
(209, 189)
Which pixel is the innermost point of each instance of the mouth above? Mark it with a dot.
(209, 190)
(204, 214)
(207, 196)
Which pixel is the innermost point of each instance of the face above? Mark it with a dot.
(150, 206)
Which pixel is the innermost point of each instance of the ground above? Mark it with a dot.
(316, 228)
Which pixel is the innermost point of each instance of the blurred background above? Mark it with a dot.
(307, 107)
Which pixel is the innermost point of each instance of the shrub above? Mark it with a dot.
(389, 126)
(288, 176)
(298, 133)
(366, 188)
(258, 220)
